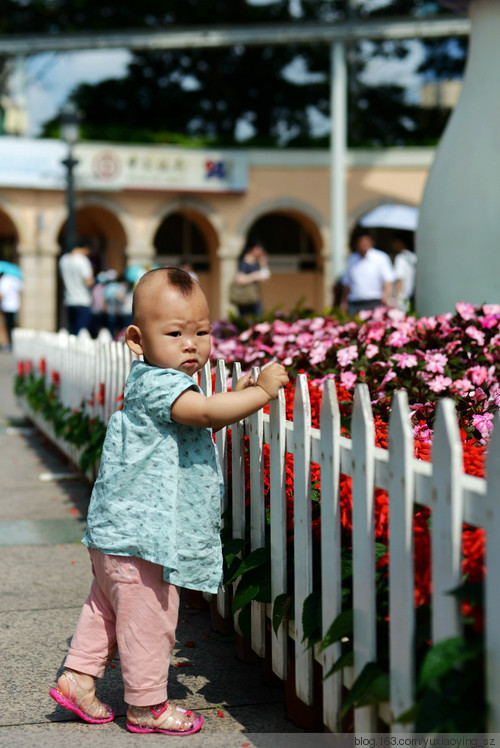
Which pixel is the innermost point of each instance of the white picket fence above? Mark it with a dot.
(86, 366)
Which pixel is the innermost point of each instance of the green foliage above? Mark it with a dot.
(204, 96)
(75, 427)
(370, 687)
(450, 691)
(282, 610)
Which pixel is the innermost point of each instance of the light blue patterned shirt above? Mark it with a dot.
(159, 489)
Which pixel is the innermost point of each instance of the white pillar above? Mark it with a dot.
(338, 147)
(458, 236)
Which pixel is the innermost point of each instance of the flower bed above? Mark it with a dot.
(453, 356)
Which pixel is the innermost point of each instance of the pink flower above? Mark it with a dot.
(435, 362)
(388, 376)
(318, 352)
(423, 433)
(405, 360)
(475, 334)
(483, 423)
(478, 374)
(465, 310)
(262, 327)
(440, 383)
(348, 379)
(478, 395)
(461, 386)
(398, 339)
(488, 322)
(345, 356)
(491, 309)
(371, 350)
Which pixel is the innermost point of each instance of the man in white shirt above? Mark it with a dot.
(368, 278)
(10, 301)
(404, 270)
(78, 278)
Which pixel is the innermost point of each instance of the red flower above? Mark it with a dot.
(100, 396)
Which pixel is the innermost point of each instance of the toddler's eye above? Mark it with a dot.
(174, 334)
(202, 332)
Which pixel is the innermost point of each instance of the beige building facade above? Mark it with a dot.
(157, 205)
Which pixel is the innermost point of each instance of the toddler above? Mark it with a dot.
(154, 515)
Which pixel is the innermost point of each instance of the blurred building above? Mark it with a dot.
(154, 205)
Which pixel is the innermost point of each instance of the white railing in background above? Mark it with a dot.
(86, 366)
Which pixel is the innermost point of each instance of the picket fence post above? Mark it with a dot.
(447, 518)
(238, 510)
(492, 598)
(223, 599)
(401, 571)
(302, 533)
(257, 517)
(278, 510)
(363, 544)
(331, 544)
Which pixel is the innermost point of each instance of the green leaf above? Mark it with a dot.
(254, 559)
(264, 593)
(443, 657)
(345, 660)
(473, 592)
(232, 548)
(340, 628)
(311, 619)
(370, 687)
(282, 607)
(244, 594)
(245, 622)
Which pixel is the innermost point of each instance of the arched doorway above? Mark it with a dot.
(8, 239)
(108, 240)
(186, 236)
(293, 243)
(107, 234)
(8, 253)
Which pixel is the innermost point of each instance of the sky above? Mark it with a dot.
(50, 78)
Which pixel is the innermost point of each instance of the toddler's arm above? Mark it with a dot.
(225, 408)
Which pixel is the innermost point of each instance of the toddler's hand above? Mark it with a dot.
(243, 382)
(272, 379)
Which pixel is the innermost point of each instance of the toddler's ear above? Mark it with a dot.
(133, 339)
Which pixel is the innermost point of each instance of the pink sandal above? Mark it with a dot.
(175, 718)
(101, 712)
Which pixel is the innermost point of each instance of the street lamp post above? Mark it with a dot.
(69, 133)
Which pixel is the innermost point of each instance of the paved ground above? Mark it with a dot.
(44, 581)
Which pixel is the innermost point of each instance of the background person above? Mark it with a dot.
(78, 278)
(404, 269)
(10, 302)
(368, 278)
(252, 270)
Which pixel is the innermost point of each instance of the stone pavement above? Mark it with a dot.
(45, 579)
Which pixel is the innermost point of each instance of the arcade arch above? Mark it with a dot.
(294, 244)
(108, 240)
(185, 234)
(8, 238)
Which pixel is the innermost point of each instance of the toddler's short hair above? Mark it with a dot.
(175, 277)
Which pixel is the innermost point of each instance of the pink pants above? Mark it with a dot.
(133, 610)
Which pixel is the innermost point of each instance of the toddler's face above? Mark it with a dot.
(174, 331)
